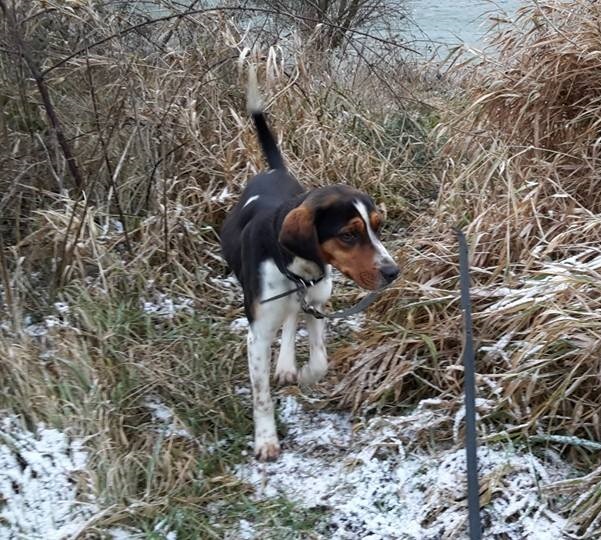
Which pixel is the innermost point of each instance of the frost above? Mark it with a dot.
(353, 323)
(246, 530)
(164, 419)
(324, 429)
(61, 307)
(121, 533)
(166, 306)
(229, 282)
(239, 325)
(374, 489)
(223, 196)
(553, 279)
(38, 489)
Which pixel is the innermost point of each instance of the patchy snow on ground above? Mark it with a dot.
(223, 196)
(230, 283)
(354, 323)
(163, 305)
(45, 488)
(239, 325)
(127, 533)
(375, 489)
(58, 319)
(39, 497)
(246, 530)
(164, 420)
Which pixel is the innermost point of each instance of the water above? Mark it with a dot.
(432, 25)
(449, 22)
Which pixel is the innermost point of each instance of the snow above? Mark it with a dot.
(109, 227)
(125, 533)
(239, 325)
(354, 323)
(229, 282)
(59, 319)
(164, 420)
(549, 282)
(375, 488)
(223, 196)
(165, 306)
(38, 489)
(246, 530)
(45, 488)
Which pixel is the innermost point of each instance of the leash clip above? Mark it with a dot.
(305, 306)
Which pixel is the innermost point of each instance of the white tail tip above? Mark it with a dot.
(254, 102)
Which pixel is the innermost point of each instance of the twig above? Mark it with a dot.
(107, 161)
(38, 77)
(9, 300)
(568, 440)
(135, 27)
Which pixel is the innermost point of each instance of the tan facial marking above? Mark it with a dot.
(355, 262)
(375, 221)
(355, 225)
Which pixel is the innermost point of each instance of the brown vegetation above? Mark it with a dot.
(124, 144)
(522, 178)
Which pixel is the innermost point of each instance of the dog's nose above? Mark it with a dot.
(390, 272)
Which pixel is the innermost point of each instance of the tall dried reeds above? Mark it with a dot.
(522, 179)
(152, 119)
(150, 109)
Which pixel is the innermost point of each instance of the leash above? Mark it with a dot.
(471, 448)
(342, 313)
(301, 290)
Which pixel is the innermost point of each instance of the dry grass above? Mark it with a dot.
(522, 179)
(154, 120)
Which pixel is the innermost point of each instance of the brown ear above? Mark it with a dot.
(298, 233)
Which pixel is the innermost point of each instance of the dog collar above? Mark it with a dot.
(302, 285)
(301, 280)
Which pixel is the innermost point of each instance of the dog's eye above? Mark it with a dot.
(348, 237)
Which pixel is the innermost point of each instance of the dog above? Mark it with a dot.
(280, 237)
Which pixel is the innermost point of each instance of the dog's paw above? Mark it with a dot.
(268, 450)
(312, 374)
(284, 377)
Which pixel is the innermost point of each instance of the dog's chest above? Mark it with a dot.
(274, 283)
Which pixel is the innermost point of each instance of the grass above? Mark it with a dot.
(95, 378)
(153, 119)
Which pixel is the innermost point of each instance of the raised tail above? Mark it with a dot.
(254, 105)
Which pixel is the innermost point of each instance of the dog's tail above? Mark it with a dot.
(254, 104)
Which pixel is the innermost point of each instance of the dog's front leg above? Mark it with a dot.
(285, 369)
(267, 447)
(317, 366)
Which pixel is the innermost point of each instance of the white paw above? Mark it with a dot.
(267, 449)
(285, 376)
(312, 374)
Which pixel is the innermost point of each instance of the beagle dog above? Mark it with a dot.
(281, 241)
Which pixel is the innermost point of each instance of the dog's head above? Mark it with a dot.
(339, 225)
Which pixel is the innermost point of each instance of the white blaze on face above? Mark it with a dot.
(382, 255)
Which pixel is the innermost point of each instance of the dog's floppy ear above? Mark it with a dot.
(298, 234)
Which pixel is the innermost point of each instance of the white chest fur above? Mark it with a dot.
(273, 283)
